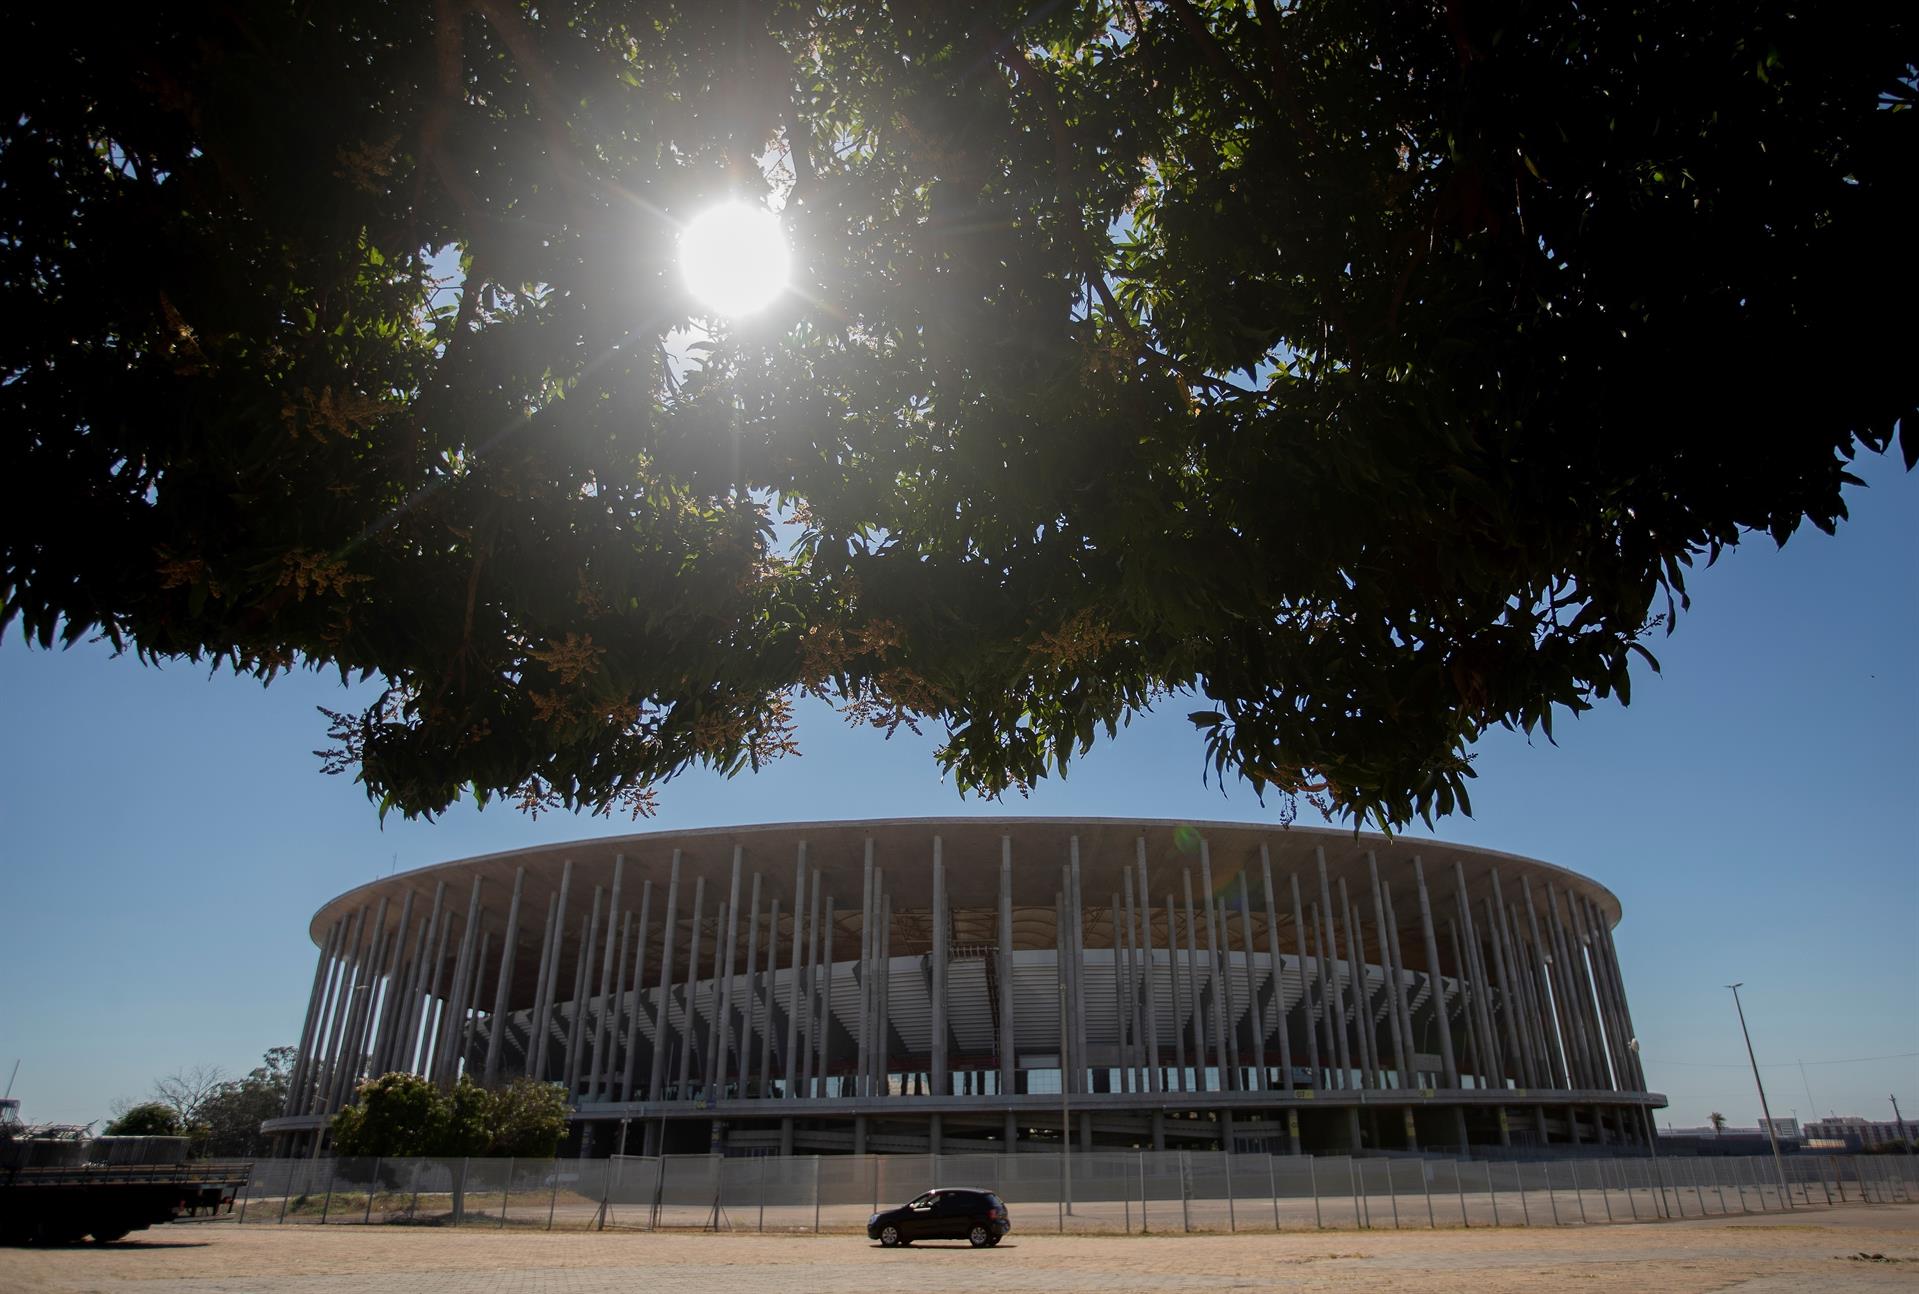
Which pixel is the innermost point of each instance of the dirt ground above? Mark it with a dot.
(1860, 1248)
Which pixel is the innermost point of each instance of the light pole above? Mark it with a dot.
(1772, 1134)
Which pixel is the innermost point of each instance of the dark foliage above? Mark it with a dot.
(1372, 373)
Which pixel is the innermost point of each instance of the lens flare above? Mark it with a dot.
(734, 259)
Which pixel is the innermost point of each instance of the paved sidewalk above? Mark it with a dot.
(1808, 1250)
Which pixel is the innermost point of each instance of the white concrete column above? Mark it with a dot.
(824, 1031)
(609, 958)
(1216, 983)
(303, 1055)
(1255, 1018)
(1178, 994)
(863, 1063)
(1363, 1021)
(663, 1022)
(604, 1078)
(886, 985)
(809, 988)
(583, 994)
(392, 990)
(509, 945)
(1227, 998)
(1008, 1030)
(1490, 1051)
(1158, 1066)
(790, 1053)
(1305, 988)
(433, 1006)
(1341, 1042)
(634, 1035)
(1076, 913)
(551, 986)
(750, 1012)
(1548, 1001)
(1194, 997)
(1389, 963)
(717, 1071)
(772, 998)
(1442, 1013)
(937, 1070)
(690, 999)
(1285, 1083)
(630, 1074)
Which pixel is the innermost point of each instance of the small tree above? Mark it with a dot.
(529, 1119)
(394, 1115)
(1718, 1122)
(148, 1119)
(399, 1116)
(467, 1126)
(233, 1114)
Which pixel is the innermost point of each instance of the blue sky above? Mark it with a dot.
(164, 836)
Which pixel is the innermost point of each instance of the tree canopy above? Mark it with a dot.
(1356, 377)
(148, 1119)
(400, 1116)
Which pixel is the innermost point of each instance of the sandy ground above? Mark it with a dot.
(1859, 1248)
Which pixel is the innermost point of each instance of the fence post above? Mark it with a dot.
(1492, 1192)
(368, 1215)
(506, 1192)
(1579, 1194)
(286, 1190)
(1185, 1193)
(1232, 1216)
(552, 1201)
(1142, 1193)
(1392, 1193)
(1459, 1185)
(876, 1191)
(333, 1171)
(1525, 1209)
(816, 1194)
(1272, 1185)
(1352, 1184)
(1312, 1181)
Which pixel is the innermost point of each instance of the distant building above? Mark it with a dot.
(1850, 1132)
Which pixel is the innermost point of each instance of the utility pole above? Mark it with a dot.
(1772, 1134)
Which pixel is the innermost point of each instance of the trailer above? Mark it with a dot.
(63, 1205)
(59, 1184)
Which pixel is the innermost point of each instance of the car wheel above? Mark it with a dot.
(980, 1237)
(889, 1236)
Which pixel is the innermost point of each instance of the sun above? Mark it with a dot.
(734, 259)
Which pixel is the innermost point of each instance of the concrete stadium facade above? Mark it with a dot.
(991, 983)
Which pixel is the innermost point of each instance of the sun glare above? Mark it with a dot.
(734, 258)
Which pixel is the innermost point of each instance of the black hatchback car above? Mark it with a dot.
(943, 1214)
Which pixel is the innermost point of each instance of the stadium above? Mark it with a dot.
(993, 984)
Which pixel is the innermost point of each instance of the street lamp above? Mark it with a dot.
(1771, 1134)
